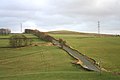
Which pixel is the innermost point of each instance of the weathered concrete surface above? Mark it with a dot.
(86, 63)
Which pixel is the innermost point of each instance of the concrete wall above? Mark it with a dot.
(73, 52)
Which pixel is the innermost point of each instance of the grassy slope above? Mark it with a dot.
(103, 49)
(63, 76)
(42, 62)
(33, 59)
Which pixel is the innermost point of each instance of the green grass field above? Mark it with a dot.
(105, 50)
(47, 62)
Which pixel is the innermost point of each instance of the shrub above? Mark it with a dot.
(19, 40)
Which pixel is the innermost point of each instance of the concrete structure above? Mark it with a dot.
(86, 62)
(5, 31)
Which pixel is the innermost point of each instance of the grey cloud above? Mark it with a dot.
(88, 7)
(78, 15)
(22, 4)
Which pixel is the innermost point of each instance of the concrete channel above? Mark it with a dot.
(83, 60)
(86, 63)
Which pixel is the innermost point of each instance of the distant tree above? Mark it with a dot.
(19, 41)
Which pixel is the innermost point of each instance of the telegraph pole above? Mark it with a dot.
(21, 27)
(98, 27)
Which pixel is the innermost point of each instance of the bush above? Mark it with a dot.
(19, 40)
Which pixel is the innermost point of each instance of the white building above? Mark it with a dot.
(5, 31)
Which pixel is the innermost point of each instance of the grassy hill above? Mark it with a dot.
(43, 61)
(104, 49)
(65, 32)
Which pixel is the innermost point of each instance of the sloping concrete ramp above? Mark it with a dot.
(85, 61)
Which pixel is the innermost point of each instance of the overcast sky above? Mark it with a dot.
(75, 15)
